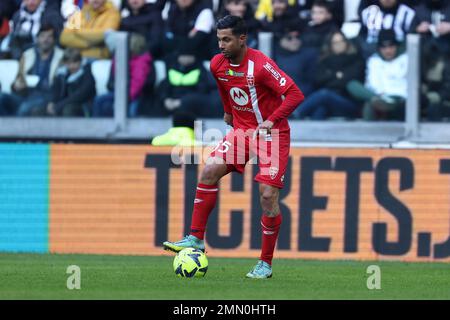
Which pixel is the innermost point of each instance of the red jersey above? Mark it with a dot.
(252, 91)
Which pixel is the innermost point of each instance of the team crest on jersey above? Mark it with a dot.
(232, 73)
(239, 96)
(251, 81)
(273, 171)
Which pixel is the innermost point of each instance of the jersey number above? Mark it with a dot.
(225, 146)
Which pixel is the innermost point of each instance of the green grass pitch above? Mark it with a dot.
(43, 276)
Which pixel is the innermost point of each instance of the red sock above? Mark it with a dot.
(205, 201)
(270, 229)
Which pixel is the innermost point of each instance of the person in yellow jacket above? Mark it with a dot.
(265, 10)
(85, 29)
(181, 134)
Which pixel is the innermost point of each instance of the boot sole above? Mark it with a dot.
(167, 248)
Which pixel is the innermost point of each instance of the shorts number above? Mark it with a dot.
(225, 146)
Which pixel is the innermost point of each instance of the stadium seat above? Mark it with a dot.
(160, 70)
(351, 29)
(100, 71)
(351, 9)
(9, 70)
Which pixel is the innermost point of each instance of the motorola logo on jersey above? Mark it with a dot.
(239, 96)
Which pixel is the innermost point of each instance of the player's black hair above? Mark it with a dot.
(235, 23)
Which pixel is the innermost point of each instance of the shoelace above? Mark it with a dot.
(187, 238)
(259, 266)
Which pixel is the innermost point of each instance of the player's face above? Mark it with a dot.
(229, 44)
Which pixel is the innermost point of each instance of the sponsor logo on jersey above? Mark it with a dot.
(239, 96)
(246, 109)
(232, 73)
(223, 79)
(251, 81)
(272, 71)
(273, 171)
(282, 82)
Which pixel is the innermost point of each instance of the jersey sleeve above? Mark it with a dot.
(273, 78)
(222, 91)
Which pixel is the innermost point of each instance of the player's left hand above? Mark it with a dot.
(263, 128)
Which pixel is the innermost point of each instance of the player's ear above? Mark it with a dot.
(243, 38)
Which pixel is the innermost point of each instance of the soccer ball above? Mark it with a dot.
(190, 263)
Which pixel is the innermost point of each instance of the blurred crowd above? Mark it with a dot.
(342, 76)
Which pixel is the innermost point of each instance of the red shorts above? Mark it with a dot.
(270, 152)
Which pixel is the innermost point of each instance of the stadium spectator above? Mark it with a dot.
(26, 23)
(286, 27)
(186, 88)
(385, 14)
(285, 20)
(73, 88)
(385, 90)
(189, 26)
(32, 86)
(320, 26)
(140, 69)
(363, 4)
(432, 20)
(86, 29)
(436, 89)
(302, 7)
(182, 131)
(243, 9)
(7, 9)
(296, 45)
(337, 7)
(265, 9)
(339, 64)
(141, 17)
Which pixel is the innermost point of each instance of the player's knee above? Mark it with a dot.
(211, 174)
(269, 199)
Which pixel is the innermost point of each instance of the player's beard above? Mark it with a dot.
(229, 56)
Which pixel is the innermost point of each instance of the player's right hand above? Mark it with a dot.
(228, 118)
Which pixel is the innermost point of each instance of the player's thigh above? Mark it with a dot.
(214, 170)
(273, 161)
(233, 150)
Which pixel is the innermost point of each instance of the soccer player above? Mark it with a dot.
(252, 88)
